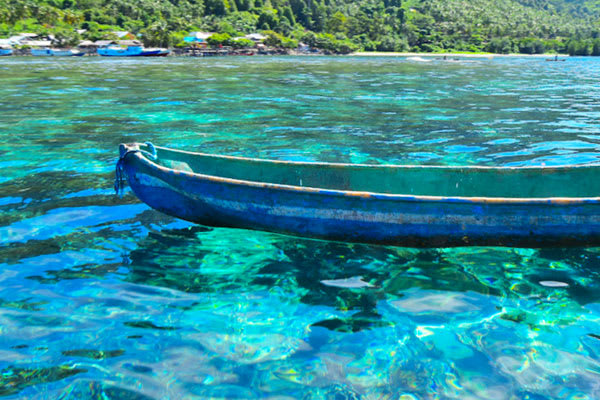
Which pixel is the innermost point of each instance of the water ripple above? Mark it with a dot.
(102, 297)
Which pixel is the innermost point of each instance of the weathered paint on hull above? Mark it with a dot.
(377, 219)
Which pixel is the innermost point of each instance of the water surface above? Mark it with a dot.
(104, 298)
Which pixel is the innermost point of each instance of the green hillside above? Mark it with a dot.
(500, 26)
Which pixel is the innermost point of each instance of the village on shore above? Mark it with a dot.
(197, 44)
(205, 44)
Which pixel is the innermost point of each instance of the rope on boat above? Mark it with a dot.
(152, 155)
(120, 170)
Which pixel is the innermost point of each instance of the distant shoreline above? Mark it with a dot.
(470, 55)
(284, 52)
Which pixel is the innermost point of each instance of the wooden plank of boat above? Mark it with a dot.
(420, 206)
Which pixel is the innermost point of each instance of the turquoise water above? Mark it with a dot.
(104, 298)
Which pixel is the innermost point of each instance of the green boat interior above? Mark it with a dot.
(529, 182)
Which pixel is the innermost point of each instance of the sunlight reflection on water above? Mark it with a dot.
(104, 298)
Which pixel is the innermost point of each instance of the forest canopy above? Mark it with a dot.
(338, 26)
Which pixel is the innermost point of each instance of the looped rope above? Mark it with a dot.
(120, 171)
(151, 155)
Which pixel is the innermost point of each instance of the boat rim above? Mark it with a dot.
(130, 150)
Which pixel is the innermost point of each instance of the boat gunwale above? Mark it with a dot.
(415, 166)
(562, 201)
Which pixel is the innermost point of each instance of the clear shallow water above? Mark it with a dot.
(102, 297)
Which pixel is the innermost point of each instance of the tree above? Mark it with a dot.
(596, 47)
(219, 39)
(287, 13)
(157, 34)
(268, 19)
(242, 43)
(273, 39)
(336, 23)
(319, 15)
(67, 37)
(216, 7)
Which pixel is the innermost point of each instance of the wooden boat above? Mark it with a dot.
(421, 206)
(46, 52)
(132, 51)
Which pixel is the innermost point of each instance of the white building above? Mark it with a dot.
(256, 37)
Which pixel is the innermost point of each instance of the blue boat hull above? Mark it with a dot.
(366, 218)
(55, 53)
(132, 51)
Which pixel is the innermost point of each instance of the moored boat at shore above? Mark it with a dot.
(402, 205)
(56, 52)
(132, 51)
(5, 51)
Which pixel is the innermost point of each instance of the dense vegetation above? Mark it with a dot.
(499, 26)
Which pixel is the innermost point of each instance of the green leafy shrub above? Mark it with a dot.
(219, 39)
(242, 43)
